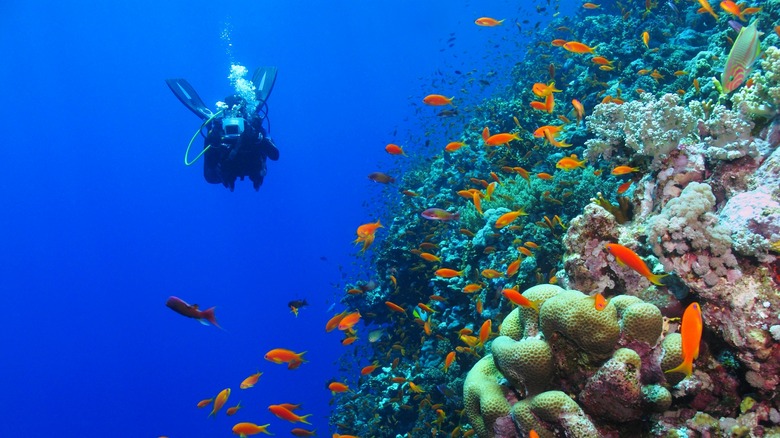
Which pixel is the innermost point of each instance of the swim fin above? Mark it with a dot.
(187, 95)
(263, 80)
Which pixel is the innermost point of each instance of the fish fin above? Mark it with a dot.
(684, 368)
(303, 419)
(209, 316)
(620, 262)
(656, 279)
(536, 304)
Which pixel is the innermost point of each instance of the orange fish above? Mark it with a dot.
(578, 47)
(656, 75)
(557, 43)
(599, 302)
(554, 130)
(600, 60)
(233, 409)
(484, 331)
(471, 288)
(288, 415)
(349, 321)
(220, 401)
(282, 355)
(476, 200)
(415, 388)
(204, 403)
(543, 90)
(303, 432)
(429, 257)
(394, 149)
(518, 298)
(539, 106)
(526, 252)
(437, 100)
(448, 360)
(626, 257)
(485, 134)
(549, 137)
(690, 330)
(646, 39)
(545, 176)
(733, 9)
(489, 190)
(570, 163)
(448, 273)
(501, 139)
(533, 434)
(368, 369)
(491, 273)
(425, 307)
(454, 146)
(337, 387)
(531, 245)
(512, 269)
(590, 5)
(549, 103)
(478, 306)
(622, 170)
(246, 429)
(508, 218)
(488, 22)
(624, 187)
(250, 381)
(365, 234)
(334, 321)
(579, 109)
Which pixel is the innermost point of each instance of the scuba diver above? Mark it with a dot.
(236, 144)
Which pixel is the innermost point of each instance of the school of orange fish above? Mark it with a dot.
(397, 345)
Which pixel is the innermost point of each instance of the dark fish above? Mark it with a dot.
(294, 305)
(381, 178)
(191, 311)
(298, 303)
(448, 113)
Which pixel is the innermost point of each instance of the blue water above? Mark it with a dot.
(102, 221)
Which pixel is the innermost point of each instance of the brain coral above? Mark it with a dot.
(570, 347)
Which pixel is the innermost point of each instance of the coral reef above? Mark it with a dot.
(577, 350)
(700, 204)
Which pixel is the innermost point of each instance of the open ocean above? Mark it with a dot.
(102, 221)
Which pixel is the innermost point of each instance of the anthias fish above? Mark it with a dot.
(181, 307)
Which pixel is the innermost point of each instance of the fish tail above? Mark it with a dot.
(209, 316)
(303, 419)
(456, 216)
(656, 279)
(686, 367)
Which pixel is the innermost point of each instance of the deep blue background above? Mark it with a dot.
(101, 221)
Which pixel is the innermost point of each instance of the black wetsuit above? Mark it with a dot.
(229, 158)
